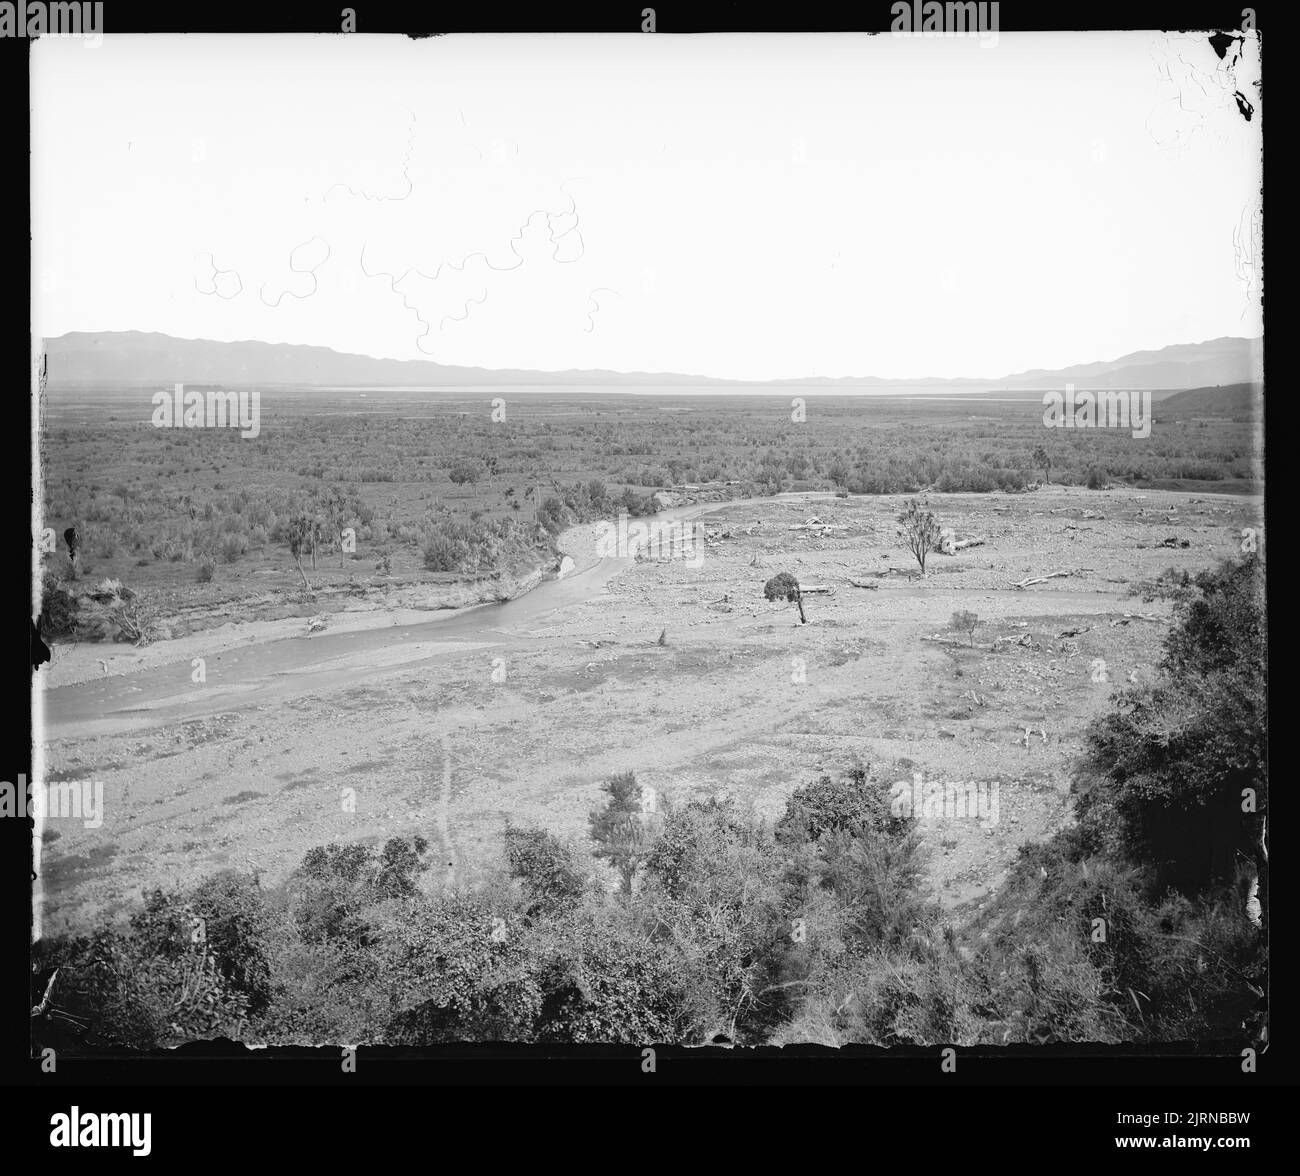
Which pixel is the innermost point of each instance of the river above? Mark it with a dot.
(270, 671)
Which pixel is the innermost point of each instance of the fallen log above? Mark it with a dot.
(949, 544)
(860, 584)
(890, 572)
(1050, 576)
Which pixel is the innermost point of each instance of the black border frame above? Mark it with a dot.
(1102, 1078)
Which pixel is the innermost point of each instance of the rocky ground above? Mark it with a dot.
(524, 723)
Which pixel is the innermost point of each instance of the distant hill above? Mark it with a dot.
(1228, 360)
(1236, 401)
(1181, 365)
(86, 359)
(139, 357)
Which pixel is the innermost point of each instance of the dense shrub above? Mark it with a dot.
(59, 612)
(479, 546)
(857, 805)
(1168, 767)
(1136, 923)
(548, 875)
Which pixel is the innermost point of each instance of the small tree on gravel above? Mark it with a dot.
(921, 530)
(1044, 462)
(966, 622)
(784, 586)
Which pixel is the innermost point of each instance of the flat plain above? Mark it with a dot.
(402, 714)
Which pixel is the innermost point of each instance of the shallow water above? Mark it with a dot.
(296, 665)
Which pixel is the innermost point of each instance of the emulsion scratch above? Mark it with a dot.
(497, 148)
(1247, 254)
(460, 318)
(595, 306)
(1230, 48)
(217, 279)
(459, 266)
(1209, 79)
(392, 284)
(558, 233)
(310, 271)
(551, 218)
(555, 240)
(362, 194)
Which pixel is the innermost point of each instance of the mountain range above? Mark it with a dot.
(125, 358)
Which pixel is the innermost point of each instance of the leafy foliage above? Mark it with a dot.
(620, 829)
(1168, 767)
(550, 878)
(783, 586)
(1131, 925)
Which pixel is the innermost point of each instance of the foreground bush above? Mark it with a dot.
(1145, 921)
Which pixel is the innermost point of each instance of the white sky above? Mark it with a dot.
(763, 206)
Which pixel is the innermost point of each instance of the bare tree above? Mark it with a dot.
(301, 541)
(921, 531)
(337, 514)
(315, 533)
